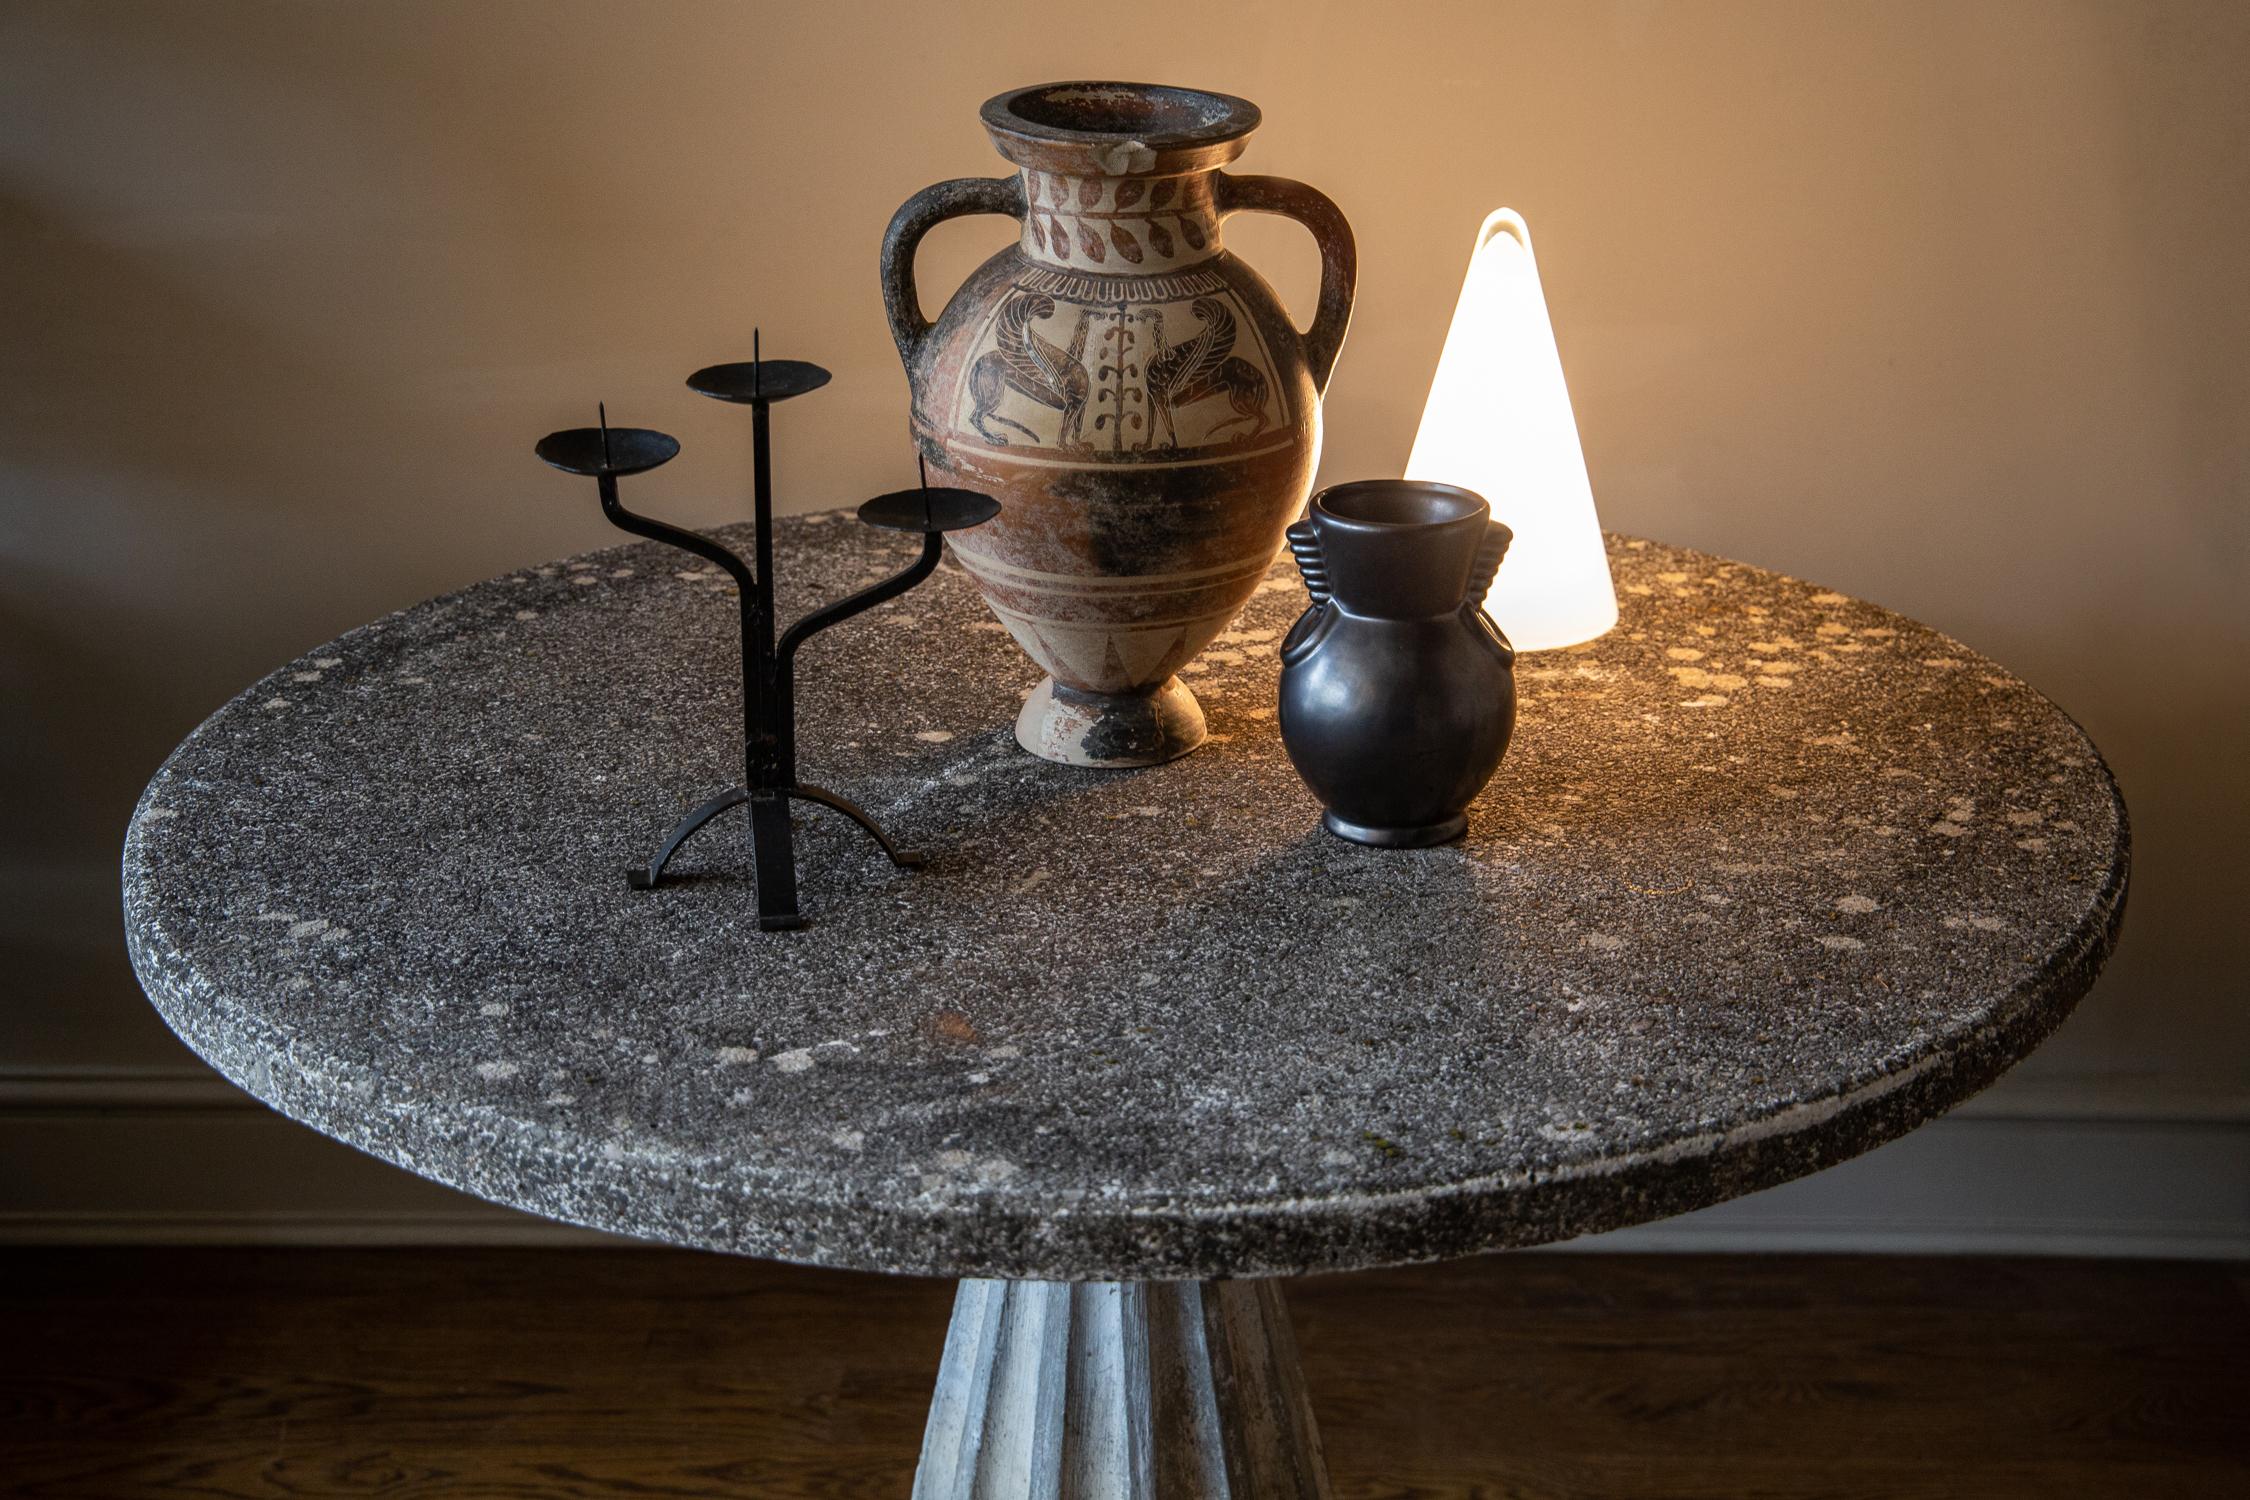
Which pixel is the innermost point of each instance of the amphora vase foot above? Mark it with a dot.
(1115, 730)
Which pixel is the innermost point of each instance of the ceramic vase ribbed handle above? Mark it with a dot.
(1339, 255)
(1304, 545)
(1490, 551)
(916, 217)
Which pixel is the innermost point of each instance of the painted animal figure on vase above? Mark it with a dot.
(1205, 366)
(1023, 362)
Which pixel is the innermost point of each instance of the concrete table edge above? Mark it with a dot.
(1279, 1236)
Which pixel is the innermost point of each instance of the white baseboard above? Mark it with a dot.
(178, 1156)
(1996, 1184)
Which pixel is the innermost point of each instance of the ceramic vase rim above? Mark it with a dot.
(1474, 508)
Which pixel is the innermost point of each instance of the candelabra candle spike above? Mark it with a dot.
(769, 753)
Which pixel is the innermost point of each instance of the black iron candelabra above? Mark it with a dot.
(769, 710)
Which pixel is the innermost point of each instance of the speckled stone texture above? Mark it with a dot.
(1769, 876)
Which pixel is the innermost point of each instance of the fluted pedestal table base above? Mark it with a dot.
(1108, 1390)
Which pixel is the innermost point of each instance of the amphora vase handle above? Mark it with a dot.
(1339, 255)
(916, 217)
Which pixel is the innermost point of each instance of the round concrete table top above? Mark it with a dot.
(1769, 876)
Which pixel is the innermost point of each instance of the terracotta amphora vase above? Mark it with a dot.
(1135, 397)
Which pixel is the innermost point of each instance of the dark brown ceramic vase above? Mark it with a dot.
(1398, 693)
(1134, 396)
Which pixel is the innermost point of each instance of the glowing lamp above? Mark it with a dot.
(1499, 422)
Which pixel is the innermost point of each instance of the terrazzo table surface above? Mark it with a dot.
(1769, 877)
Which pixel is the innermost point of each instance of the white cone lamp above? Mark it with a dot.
(1499, 422)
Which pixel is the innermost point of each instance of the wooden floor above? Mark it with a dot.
(539, 1374)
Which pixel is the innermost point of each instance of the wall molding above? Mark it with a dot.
(474, 1224)
(87, 1088)
(173, 1154)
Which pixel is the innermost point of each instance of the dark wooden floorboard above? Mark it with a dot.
(545, 1374)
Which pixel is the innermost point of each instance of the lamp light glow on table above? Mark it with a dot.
(1499, 422)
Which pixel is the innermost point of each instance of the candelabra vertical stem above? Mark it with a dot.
(756, 614)
(777, 755)
(773, 762)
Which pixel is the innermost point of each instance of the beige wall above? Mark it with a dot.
(1945, 304)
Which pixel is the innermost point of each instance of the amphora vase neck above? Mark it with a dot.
(1119, 178)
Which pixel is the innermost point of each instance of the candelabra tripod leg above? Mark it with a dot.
(772, 846)
(642, 877)
(905, 859)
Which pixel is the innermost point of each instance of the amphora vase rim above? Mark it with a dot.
(1099, 127)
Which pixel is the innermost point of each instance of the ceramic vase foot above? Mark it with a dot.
(1429, 835)
(1077, 728)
